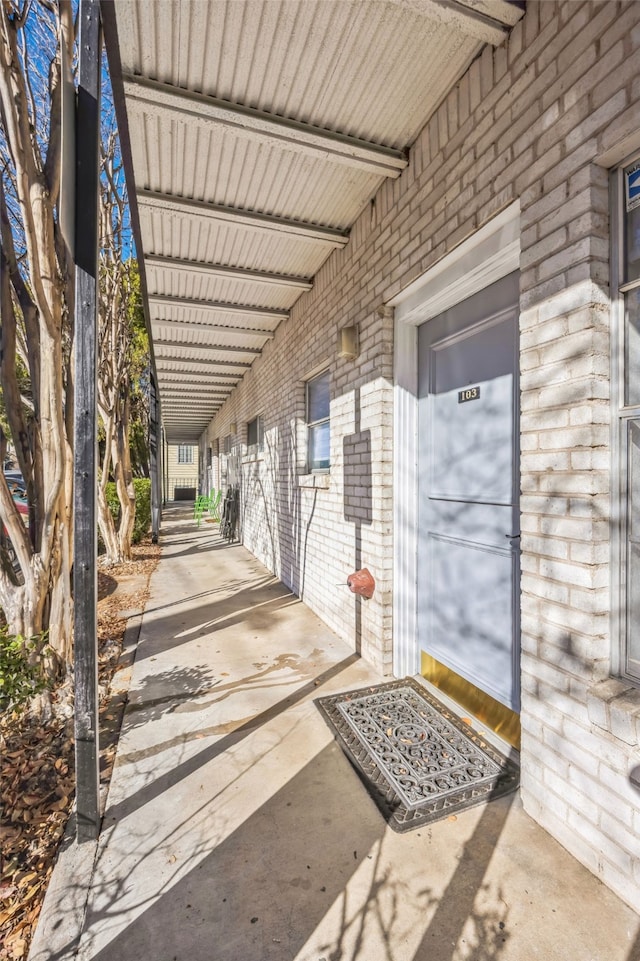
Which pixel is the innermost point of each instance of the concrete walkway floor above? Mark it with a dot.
(236, 830)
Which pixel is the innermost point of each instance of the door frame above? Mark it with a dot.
(488, 255)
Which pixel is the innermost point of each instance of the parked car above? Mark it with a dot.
(15, 480)
(14, 477)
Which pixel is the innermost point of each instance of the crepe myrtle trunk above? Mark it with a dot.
(36, 301)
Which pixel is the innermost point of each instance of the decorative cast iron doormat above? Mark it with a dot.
(418, 760)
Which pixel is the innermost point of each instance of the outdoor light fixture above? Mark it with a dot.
(348, 346)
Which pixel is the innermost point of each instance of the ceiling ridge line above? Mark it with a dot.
(156, 200)
(218, 328)
(190, 345)
(197, 360)
(293, 134)
(226, 271)
(162, 368)
(219, 306)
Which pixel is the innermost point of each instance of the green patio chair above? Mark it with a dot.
(214, 504)
(199, 507)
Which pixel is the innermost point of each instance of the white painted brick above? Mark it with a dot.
(624, 715)
(544, 248)
(576, 757)
(566, 834)
(546, 461)
(586, 604)
(586, 482)
(566, 573)
(551, 803)
(619, 881)
(540, 420)
(590, 553)
(548, 589)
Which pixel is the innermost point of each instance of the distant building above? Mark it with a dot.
(181, 472)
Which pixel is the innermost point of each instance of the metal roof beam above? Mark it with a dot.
(197, 420)
(218, 307)
(196, 415)
(157, 98)
(170, 203)
(192, 424)
(189, 361)
(193, 381)
(197, 383)
(198, 393)
(196, 411)
(218, 328)
(221, 375)
(192, 346)
(241, 274)
(468, 20)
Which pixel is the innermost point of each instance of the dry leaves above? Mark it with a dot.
(37, 772)
(36, 789)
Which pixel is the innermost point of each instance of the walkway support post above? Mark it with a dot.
(85, 587)
(154, 458)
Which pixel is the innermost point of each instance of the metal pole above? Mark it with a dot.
(164, 464)
(85, 586)
(154, 462)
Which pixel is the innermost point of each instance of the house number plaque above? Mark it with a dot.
(469, 393)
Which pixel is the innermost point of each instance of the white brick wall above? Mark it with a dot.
(527, 121)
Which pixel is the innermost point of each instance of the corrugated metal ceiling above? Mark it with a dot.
(258, 131)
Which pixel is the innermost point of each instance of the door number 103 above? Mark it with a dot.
(469, 393)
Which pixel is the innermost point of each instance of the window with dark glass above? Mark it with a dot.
(185, 454)
(631, 284)
(255, 434)
(318, 422)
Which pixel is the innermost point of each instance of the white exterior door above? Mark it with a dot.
(468, 484)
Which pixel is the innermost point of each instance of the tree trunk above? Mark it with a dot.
(35, 303)
(108, 530)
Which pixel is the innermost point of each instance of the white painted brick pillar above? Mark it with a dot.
(565, 481)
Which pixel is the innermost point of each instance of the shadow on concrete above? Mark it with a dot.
(457, 916)
(246, 605)
(192, 764)
(253, 897)
(310, 868)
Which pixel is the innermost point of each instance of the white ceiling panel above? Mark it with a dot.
(192, 236)
(313, 60)
(257, 132)
(203, 286)
(240, 170)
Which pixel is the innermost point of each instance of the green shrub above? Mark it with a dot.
(142, 522)
(112, 500)
(21, 673)
(142, 487)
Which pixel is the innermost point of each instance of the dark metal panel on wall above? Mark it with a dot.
(85, 427)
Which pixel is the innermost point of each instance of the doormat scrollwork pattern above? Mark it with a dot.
(418, 760)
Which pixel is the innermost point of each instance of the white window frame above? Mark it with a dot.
(312, 425)
(188, 458)
(623, 416)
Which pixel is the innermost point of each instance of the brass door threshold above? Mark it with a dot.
(498, 718)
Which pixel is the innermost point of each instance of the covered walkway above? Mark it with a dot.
(236, 830)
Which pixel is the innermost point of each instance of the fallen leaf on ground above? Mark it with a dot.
(37, 779)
